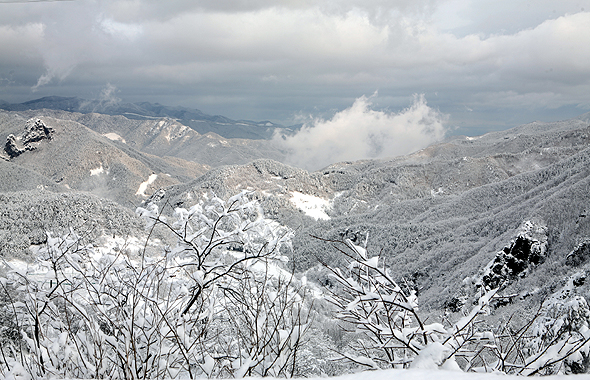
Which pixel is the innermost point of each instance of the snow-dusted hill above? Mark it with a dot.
(438, 215)
(78, 158)
(507, 208)
(456, 202)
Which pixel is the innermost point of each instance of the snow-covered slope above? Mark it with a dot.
(425, 374)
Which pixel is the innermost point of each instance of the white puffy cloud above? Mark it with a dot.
(360, 132)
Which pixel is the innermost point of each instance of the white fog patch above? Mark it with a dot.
(313, 206)
(97, 171)
(360, 132)
(144, 185)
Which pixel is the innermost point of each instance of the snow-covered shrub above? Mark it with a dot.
(202, 231)
(87, 314)
(215, 305)
(555, 340)
(384, 316)
(267, 318)
(561, 334)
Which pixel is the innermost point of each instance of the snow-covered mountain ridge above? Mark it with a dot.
(507, 209)
(436, 217)
(193, 118)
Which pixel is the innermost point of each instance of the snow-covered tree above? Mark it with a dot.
(560, 334)
(382, 313)
(215, 305)
(384, 318)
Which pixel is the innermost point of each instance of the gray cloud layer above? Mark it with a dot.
(483, 62)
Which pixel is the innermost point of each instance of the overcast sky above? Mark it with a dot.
(480, 64)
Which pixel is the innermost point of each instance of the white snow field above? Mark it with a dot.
(144, 185)
(432, 374)
(311, 205)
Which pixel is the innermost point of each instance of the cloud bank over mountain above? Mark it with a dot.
(361, 132)
(485, 63)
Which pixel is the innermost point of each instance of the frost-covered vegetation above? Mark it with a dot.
(215, 305)
(393, 334)
(224, 302)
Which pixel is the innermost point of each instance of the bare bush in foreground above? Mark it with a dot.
(384, 317)
(209, 307)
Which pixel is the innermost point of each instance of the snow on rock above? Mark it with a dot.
(313, 206)
(97, 171)
(114, 137)
(35, 131)
(144, 185)
(11, 147)
(525, 251)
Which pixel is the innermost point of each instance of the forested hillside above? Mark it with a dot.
(441, 251)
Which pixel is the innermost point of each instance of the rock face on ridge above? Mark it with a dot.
(580, 254)
(11, 148)
(35, 131)
(77, 158)
(527, 250)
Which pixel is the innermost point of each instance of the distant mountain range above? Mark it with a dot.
(193, 118)
(438, 216)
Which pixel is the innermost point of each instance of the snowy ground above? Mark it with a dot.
(315, 207)
(144, 185)
(421, 374)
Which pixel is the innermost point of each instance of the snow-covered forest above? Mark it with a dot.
(223, 301)
(310, 189)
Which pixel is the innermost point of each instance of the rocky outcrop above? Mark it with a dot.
(527, 250)
(11, 147)
(580, 254)
(35, 131)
